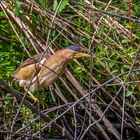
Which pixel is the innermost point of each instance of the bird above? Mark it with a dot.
(42, 70)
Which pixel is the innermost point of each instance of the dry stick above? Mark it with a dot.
(59, 93)
(107, 109)
(98, 23)
(113, 101)
(1, 5)
(53, 21)
(124, 95)
(102, 114)
(78, 87)
(5, 87)
(75, 124)
(43, 127)
(118, 84)
(63, 28)
(88, 112)
(30, 34)
(21, 25)
(126, 31)
(81, 14)
(3, 132)
(129, 4)
(25, 94)
(45, 112)
(123, 111)
(118, 25)
(111, 14)
(58, 22)
(83, 107)
(122, 86)
(110, 6)
(95, 107)
(3, 8)
(92, 92)
(83, 125)
(98, 84)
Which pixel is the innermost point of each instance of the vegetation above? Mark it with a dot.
(94, 98)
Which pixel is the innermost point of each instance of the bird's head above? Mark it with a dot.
(72, 52)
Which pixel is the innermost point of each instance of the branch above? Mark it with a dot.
(5, 87)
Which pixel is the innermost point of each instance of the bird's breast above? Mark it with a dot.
(50, 71)
(50, 74)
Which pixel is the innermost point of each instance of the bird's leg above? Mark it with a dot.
(35, 99)
(31, 95)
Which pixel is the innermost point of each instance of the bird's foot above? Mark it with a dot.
(31, 95)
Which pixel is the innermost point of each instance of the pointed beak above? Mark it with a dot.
(79, 54)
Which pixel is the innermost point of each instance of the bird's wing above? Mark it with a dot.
(33, 60)
(28, 68)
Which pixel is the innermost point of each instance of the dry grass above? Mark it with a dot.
(91, 100)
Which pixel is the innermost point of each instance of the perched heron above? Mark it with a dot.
(42, 70)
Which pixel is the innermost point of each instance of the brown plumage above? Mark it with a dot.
(40, 73)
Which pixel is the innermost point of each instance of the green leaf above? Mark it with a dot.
(17, 7)
(111, 64)
(1, 14)
(21, 37)
(126, 66)
(127, 40)
(129, 93)
(114, 71)
(55, 4)
(138, 34)
(62, 6)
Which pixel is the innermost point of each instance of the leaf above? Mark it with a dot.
(17, 7)
(55, 4)
(138, 35)
(127, 40)
(114, 71)
(126, 66)
(129, 93)
(111, 64)
(62, 6)
(1, 14)
(21, 37)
